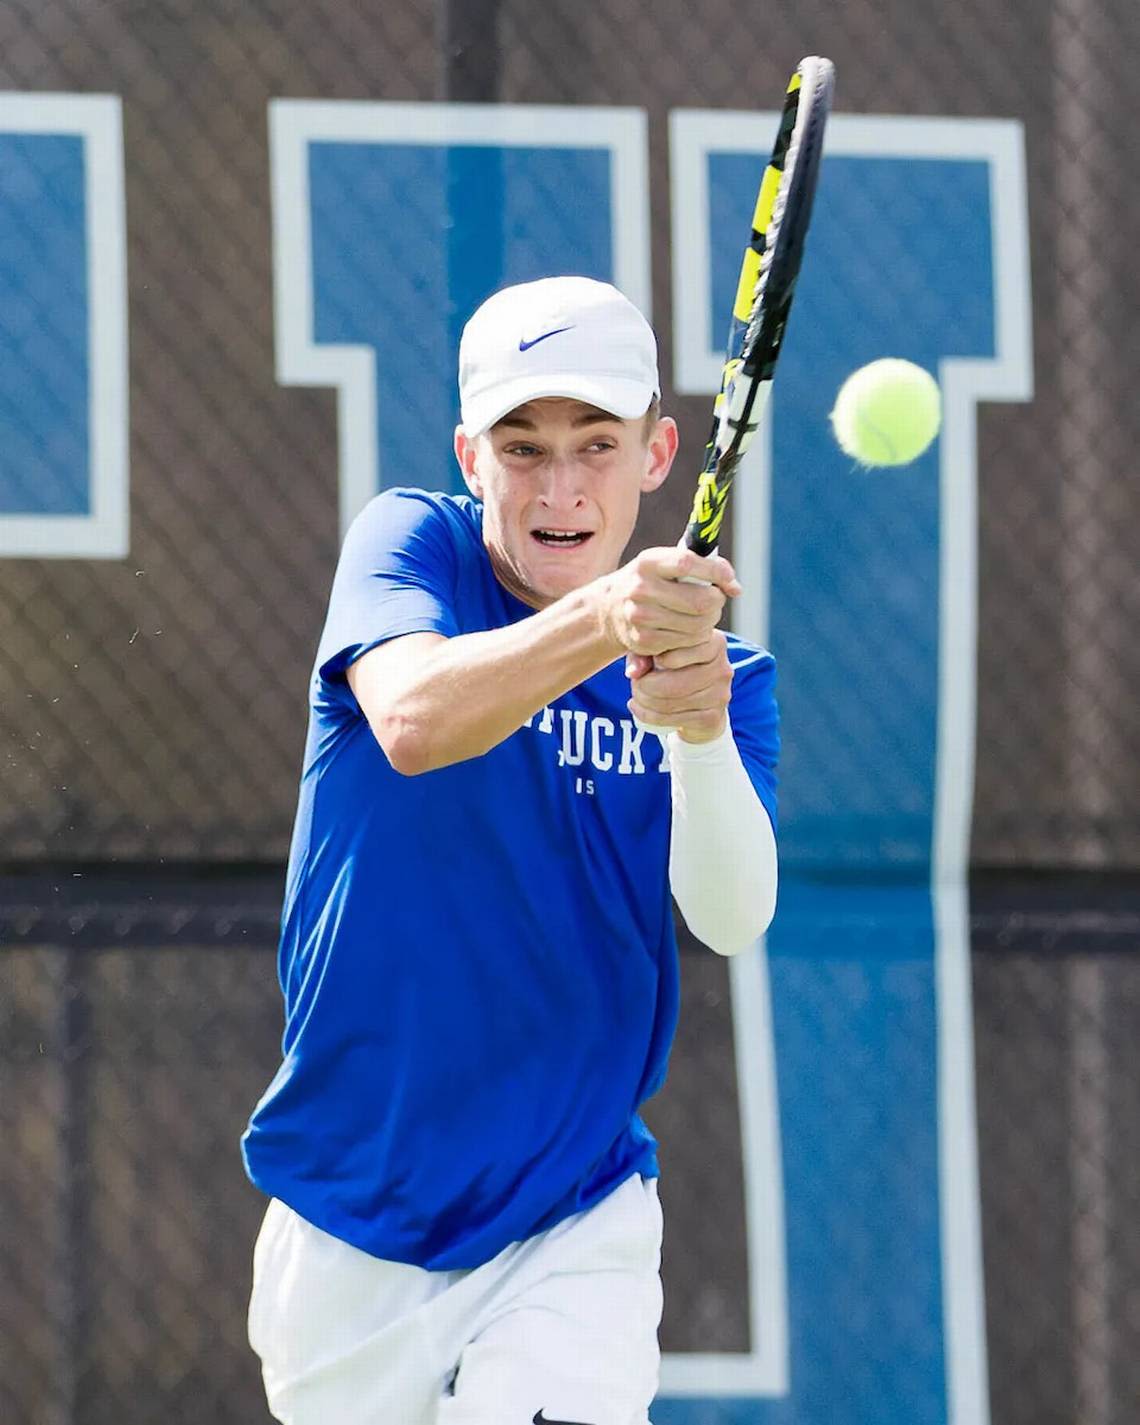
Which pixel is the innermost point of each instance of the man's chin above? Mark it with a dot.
(539, 583)
(549, 589)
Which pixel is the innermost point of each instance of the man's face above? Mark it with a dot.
(561, 483)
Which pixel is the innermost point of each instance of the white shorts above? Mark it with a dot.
(561, 1328)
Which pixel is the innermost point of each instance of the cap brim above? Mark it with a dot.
(620, 395)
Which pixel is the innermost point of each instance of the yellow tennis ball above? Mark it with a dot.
(887, 412)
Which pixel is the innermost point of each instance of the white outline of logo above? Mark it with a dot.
(295, 123)
(104, 533)
(1007, 376)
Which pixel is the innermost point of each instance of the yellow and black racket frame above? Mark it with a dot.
(764, 292)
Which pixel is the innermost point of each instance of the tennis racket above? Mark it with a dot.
(764, 294)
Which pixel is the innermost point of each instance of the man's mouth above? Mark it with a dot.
(561, 538)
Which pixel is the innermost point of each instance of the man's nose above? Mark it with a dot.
(562, 483)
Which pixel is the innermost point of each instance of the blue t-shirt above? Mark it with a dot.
(478, 963)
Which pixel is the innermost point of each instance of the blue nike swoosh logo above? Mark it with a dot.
(526, 345)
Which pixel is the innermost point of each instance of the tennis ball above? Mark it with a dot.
(887, 413)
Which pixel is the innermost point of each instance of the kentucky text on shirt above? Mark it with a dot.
(595, 739)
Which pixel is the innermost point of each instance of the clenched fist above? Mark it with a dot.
(665, 600)
(685, 688)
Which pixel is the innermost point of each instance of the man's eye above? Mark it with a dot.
(604, 445)
(522, 450)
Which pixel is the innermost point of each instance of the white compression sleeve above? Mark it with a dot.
(722, 859)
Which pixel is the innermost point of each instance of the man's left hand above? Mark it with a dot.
(686, 688)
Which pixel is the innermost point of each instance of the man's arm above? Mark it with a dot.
(722, 855)
(722, 858)
(432, 701)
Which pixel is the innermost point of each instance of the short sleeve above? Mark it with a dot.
(755, 718)
(396, 575)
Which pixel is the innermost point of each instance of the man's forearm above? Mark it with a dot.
(722, 860)
(465, 695)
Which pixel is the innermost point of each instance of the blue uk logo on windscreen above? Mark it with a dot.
(392, 222)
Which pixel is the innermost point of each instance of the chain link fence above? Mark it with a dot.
(151, 708)
(137, 1030)
(149, 705)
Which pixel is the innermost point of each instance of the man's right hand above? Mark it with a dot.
(646, 609)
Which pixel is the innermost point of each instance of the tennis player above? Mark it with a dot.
(477, 954)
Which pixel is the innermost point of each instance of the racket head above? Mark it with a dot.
(765, 290)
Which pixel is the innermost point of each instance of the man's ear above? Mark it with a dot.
(661, 450)
(465, 453)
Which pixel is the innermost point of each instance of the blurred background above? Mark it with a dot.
(152, 703)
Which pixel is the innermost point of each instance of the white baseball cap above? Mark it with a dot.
(560, 336)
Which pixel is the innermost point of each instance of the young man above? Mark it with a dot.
(477, 954)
